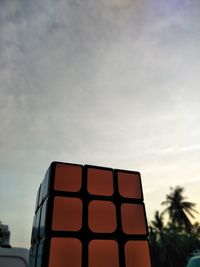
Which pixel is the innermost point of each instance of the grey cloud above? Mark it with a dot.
(99, 82)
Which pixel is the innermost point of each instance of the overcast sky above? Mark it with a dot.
(105, 82)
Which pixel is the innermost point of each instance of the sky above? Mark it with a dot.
(112, 83)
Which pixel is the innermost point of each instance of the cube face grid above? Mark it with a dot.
(42, 223)
(89, 216)
(133, 219)
(68, 177)
(137, 254)
(40, 251)
(100, 182)
(103, 253)
(65, 252)
(129, 185)
(67, 214)
(102, 216)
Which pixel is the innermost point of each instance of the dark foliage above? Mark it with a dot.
(174, 239)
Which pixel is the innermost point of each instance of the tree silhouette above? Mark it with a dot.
(174, 239)
(158, 223)
(178, 209)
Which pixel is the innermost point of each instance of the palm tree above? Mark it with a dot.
(178, 209)
(165, 245)
(157, 223)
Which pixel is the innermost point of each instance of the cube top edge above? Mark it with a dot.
(54, 163)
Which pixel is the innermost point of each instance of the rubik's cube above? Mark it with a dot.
(88, 216)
